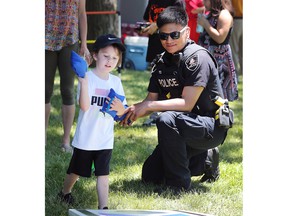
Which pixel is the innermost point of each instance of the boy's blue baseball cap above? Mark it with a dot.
(106, 40)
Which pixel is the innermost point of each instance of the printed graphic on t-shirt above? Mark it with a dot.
(100, 97)
(155, 11)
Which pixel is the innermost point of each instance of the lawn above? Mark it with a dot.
(132, 146)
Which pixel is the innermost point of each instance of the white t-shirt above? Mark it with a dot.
(95, 130)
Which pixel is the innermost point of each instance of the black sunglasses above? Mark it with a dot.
(174, 35)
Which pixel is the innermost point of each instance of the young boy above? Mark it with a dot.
(94, 136)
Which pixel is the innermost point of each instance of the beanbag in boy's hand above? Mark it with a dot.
(106, 106)
(78, 64)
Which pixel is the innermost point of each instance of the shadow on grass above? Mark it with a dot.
(136, 186)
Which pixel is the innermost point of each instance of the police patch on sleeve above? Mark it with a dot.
(192, 63)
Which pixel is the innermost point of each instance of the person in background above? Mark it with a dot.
(94, 137)
(236, 40)
(215, 37)
(193, 8)
(183, 86)
(65, 24)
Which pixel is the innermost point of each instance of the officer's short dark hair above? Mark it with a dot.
(172, 14)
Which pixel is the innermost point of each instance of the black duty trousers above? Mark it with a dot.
(181, 137)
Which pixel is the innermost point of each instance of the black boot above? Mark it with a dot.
(212, 172)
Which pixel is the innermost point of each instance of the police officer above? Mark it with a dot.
(183, 86)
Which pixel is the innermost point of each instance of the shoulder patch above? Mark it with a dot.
(192, 63)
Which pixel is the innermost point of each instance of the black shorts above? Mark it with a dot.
(81, 162)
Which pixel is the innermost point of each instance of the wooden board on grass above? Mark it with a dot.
(91, 212)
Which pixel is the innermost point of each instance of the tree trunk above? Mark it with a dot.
(102, 23)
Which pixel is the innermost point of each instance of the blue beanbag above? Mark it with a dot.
(78, 64)
(106, 107)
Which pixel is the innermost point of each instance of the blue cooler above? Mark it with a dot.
(136, 51)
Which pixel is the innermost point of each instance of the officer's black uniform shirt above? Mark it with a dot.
(187, 68)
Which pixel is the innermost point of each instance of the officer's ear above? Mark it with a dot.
(188, 33)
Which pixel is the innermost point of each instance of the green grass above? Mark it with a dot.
(132, 146)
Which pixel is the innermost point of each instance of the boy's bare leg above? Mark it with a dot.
(102, 191)
(69, 182)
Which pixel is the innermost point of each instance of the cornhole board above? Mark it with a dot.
(91, 212)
